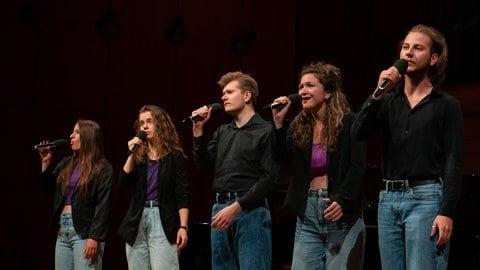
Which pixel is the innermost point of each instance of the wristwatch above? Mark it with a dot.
(184, 227)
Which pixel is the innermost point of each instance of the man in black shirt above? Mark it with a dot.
(241, 154)
(422, 130)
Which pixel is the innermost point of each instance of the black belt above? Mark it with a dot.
(402, 185)
(227, 196)
(151, 204)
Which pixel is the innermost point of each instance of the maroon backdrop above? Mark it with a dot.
(103, 60)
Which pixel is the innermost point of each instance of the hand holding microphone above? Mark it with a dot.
(280, 102)
(393, 74)
(45, 150)
(280, 107)
(136, 141)
(202, 112)
(60, 143)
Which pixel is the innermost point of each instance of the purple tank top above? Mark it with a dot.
(318, 165)
(73, 183)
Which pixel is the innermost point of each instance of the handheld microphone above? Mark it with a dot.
(294, 98)
(142, 135)
(401, 65)
(55, 144)
(216, 107)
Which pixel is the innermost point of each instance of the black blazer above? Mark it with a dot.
(345, 170)
(90, 213)
(172, 195)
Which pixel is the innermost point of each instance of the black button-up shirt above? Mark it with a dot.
(242, 158)
(424, 142)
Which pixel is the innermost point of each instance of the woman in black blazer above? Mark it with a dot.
(155, 225)
(327, 167)
(83, 196)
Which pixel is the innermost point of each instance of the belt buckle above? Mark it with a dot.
(397, 185)
(151, 203)
(225, 197)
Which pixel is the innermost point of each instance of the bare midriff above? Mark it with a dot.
(319, 182)
(67, 209)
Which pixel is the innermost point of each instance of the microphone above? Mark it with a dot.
(55, 144)
(401, 65)
(142, 135)
(216, 107)
(294, 98)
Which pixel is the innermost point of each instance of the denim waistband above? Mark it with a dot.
(317, 192)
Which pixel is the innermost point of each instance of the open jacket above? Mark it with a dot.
(90, 211)
(345, 170)
(172, 195)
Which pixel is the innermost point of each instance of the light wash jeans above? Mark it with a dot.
(69, 248)
(151, 249)
(246, 244)
(323, 244)
(405, 219)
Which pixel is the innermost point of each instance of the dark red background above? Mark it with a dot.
(61, 60)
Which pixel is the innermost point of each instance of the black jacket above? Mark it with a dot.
(345, 170)
(90, 212)
(172, 195)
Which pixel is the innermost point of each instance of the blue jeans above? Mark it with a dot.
(69, 248)
(151, 249)
(323, 244)
(405, 219)
(246, 244)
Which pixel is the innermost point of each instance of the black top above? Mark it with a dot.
(425, 142)
(345, 170)
(243, 159)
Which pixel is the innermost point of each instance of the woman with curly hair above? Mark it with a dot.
(156, 224)
(326, 167)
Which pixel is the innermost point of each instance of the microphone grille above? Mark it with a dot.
(295, 98)
(142, 135)
(216, 107)
(401, 65)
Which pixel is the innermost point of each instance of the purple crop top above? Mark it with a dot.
(318, 165)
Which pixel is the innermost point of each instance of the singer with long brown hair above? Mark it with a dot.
(83, 197)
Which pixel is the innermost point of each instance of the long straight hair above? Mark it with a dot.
(89, 158)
